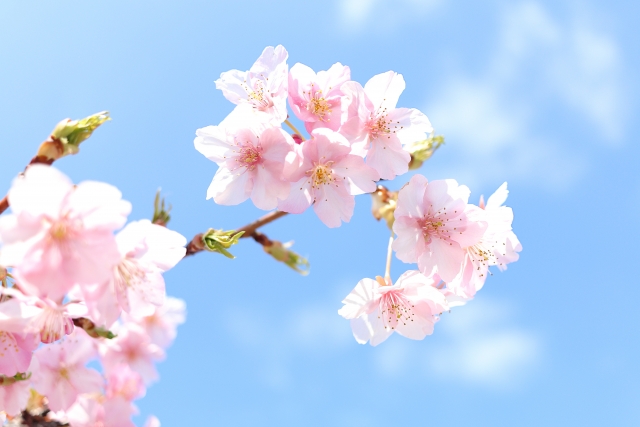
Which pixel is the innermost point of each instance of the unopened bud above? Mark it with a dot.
(220, 240)
(20, 376)
(383, 204)
(69, 134)
(280, 251)
(422, 150)
(160, 212)
(92, 330)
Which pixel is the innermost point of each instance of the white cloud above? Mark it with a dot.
(492, 121)
(477, 345)
(356, 13)
(483, 348)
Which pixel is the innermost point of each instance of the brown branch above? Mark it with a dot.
(43, 160)
(249, 229)
(197, 245)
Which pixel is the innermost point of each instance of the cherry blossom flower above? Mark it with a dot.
(60, 372)
(377, 308)
(498, 246)
(433, 226)
(14, 397)
(378, 128)
(501, 220)
(162, 325)
(44, 317)
(133, 347)
(251, 160)
(60, 234)
(263, 87)
(124, 382)
(91, 411)
(317, 99)
(16, 351)
(137, 285)
(328, 177)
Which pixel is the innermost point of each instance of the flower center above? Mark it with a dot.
(128, 273)
(379, 126)
(395, 308)
(249, 156)
(58, 230)
(431, 228)
(257, 96)
(319, 106)
(321, 175)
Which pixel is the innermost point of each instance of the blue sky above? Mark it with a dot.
(540, 94)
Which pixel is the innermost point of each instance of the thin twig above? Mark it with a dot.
(294, 129)
(197, 245)
(270, 217)
(387, 271)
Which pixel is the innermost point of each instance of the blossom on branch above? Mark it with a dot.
(263, 87)
(317, 99)
(137, 287)
(498, 246)
(410, 307)
(434, 225)
(378, 129)
(60, 372)
(328, 177)
(59, 234)
(251, 160)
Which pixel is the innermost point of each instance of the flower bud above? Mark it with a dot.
(280, 251)
(160, 213)
(92, 330)
(20, 376)
(220, 240)
(69, 134)
(384, 204)
(422, 150)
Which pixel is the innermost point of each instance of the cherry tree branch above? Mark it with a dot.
(250, 230)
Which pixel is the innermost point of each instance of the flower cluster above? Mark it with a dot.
(357, 136)
(69, 282)
(453, 242)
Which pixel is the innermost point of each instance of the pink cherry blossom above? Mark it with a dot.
(433, 226)
(147, 250)
(60, 234)
(250, 159)
(162, 325)
(376, 127)
(377, 308)
(14, 397)
(317, 99)
(263, 87)
(501, 220)
(16, 351)
(124, 382)
(328, 176)
(133, 347)
(44, 317)
(498, 246)
(98, 411)
(60, 373)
